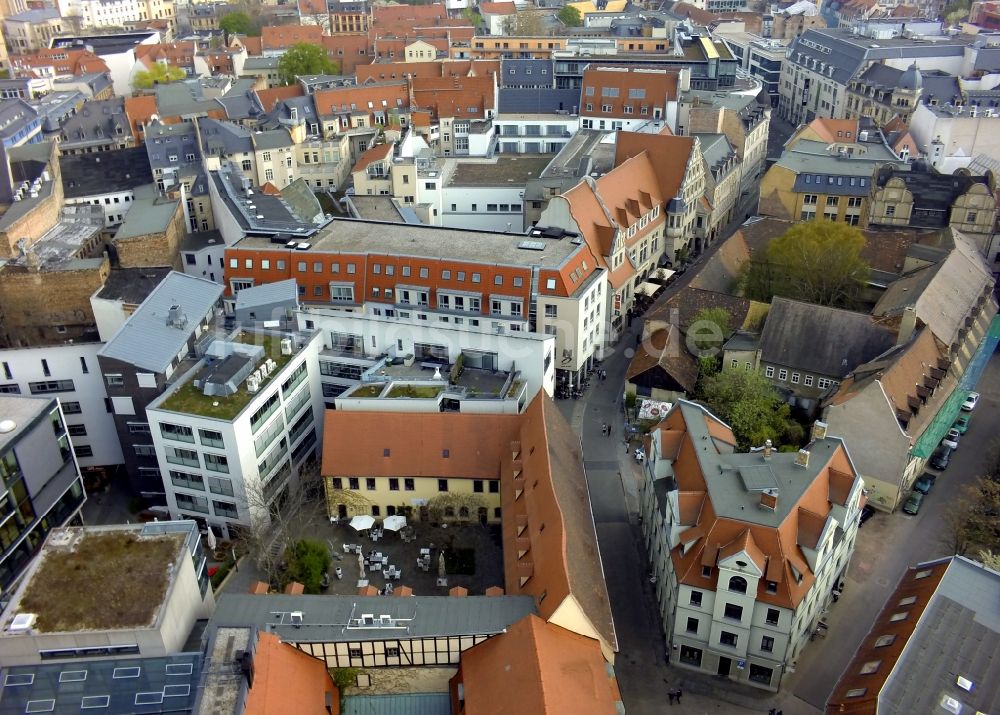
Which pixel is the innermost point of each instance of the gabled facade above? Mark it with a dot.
(747, 549)
(629, 100)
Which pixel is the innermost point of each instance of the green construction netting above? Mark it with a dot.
(945, 417)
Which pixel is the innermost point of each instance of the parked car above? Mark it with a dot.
(970, 402)
(941, 458)
(952, 438)
(912, 505)
(867, 512)
(924, 484)
(962, 423)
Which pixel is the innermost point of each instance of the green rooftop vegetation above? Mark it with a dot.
(189, 399)
(415, 391)
(108, 581)
(372, 390)
(515, 388)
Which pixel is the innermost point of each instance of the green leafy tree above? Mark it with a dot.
(816, 262)
(159, 73)
(526, 23)
(308, 560)
(570, 16)
(472, 16)
(238, 23)
(708, 331)
(305, 59)
(748, 403)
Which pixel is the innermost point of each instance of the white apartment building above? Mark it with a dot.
(748, 549)
(361, 346)
(69, 372)
(533, 133)
(238, 429)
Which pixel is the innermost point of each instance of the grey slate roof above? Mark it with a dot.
(15, 115)
(527, 73)
(56, 107)
(97, 122)
(183, 99)
(933, 193)
(537, 101)
(223, 138)
(957, 635)
(104, 172)
(820, 340)
(33, 16)
(272, 139)
(166, 140)
(848, 54)
(261, 63)
(174, 690)
(729, 474)
(942, 294)
(331, 619)
(241, 105)
(941, 86)
(145, 340)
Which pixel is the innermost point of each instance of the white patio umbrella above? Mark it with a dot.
(441, 567)
(362, 522)
(394, 522)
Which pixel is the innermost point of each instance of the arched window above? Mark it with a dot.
(738, 584)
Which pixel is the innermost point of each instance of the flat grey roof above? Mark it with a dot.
(957, 635)
(268, 293)
(355, 236)
(154, 685)
(22, 411)
(145, 340)
(149, 213)
(376, 208)
(331, 619)
(132, 285)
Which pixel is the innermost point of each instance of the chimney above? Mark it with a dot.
(907, 324)
(818, 430)
(769, 499)
(802, 458)
(768, 447)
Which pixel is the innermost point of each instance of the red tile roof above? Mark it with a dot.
(497, 8)
(270, 97)
(284, 36)
(382, 97)
(61, 61)
(381, 152)
(387, 71)
(287, 680)
(536, 667)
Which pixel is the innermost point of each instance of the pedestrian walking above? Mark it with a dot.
(610, 428)
(604, 429)
(670, 695)
(678, 696)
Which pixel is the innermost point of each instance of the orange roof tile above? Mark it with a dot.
(368, 590)
(270, 97)
(270, 189)
(356, 444)
(259, 588)
(295, 589)
(669, 156)
(497, 8)
(287, 680)
(539, 668)
(388, 71)
(494, 591)
(343, 100)
(401, 591)
(284, 36)
(458, 591)
(658, 88)
(379, 152)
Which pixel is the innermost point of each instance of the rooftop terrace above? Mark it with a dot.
(188, 398)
